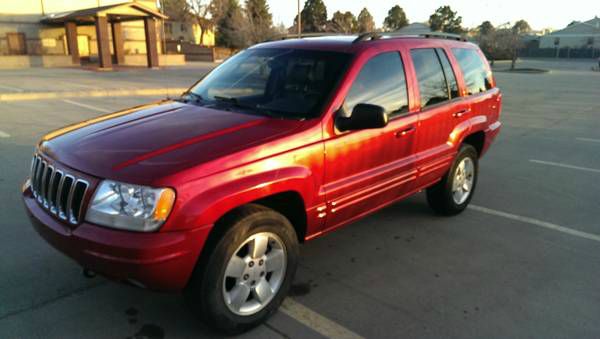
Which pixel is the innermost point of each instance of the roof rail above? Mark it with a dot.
(367, 37)
(306, 35)
(433, 35)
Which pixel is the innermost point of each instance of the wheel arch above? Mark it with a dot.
(477, 140)
(288, 203)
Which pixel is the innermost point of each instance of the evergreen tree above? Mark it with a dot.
(314, 16)
(365, 21)
(230, 26)
(395, 19)
(446, 20)
(486, 28)
(260, 21)
(343, 22)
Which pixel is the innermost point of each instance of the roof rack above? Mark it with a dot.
(369, 36)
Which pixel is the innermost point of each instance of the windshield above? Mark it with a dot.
(288, 83)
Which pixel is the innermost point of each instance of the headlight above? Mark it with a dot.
(130, 207)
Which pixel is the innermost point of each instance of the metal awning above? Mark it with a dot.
(115, 13)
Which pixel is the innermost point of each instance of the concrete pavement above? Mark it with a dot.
(402, 272)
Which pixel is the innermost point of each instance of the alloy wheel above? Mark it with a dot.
(254, 273)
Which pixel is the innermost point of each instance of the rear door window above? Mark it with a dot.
(433, 88)
(448, 72)
(477, 77)
(380, 82)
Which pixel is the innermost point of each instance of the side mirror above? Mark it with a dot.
(364, 116)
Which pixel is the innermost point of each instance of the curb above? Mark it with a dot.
(93, 94)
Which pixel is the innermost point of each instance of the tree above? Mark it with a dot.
(446, 20)
(314, 16)
(201, 12)
(177, 10)
(260, 21)
(521, 27)
(343, 22)
(518, 30)
(395, 19)
(486, 28)
(365, 21)
(486, 37)
(230, 25)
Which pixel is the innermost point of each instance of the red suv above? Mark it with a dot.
(212, 193)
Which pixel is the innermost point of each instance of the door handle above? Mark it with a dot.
(461, 113)
(404, 132)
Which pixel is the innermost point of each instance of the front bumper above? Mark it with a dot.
(159, 261)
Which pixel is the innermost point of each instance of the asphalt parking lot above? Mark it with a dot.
(522, 262)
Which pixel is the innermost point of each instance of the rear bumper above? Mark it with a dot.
(490, 135)
(159, 261)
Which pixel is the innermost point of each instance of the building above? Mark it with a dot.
(416, 28)
(579, 35)
(75, 32)
(177, 31)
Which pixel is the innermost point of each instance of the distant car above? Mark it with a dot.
(212, 193)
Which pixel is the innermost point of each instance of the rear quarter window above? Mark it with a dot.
(477, 76)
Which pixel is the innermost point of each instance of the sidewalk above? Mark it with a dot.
(61, 83)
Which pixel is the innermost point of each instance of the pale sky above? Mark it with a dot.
(539, 14)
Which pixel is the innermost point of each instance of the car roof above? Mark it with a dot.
(352, 43)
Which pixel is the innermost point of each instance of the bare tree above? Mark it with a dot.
(519, 29)
(205, 15)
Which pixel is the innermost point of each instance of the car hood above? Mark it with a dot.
(155, 140)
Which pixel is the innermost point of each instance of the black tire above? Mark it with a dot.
(440, 196)
(204, 292)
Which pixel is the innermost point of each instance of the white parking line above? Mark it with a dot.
(557, 164)
(4, 134)
(315, 321)
(95, 108)
(12, 88)
(531, 221)
(589, 139)
(76, 84)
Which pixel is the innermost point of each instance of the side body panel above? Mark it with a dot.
(293, 164)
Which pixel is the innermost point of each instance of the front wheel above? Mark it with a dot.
(249, 270)
(453, 193)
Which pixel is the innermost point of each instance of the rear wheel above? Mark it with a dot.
(453, 193)
(249, 270)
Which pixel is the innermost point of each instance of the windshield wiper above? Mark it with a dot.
(255, 108)
(196, 98)
(259, 109)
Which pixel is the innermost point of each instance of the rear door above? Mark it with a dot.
(441, 109)
(478, 82)
(366, 169)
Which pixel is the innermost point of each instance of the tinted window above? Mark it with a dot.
(432, 82)
(273, 81)
(380, 82)
(477, 77)
(448, 72)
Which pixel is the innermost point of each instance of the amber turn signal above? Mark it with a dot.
(164, 204)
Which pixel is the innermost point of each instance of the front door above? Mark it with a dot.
(367, 169)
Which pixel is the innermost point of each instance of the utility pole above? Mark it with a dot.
(299, 22)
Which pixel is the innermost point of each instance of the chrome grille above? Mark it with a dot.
(59, 192)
